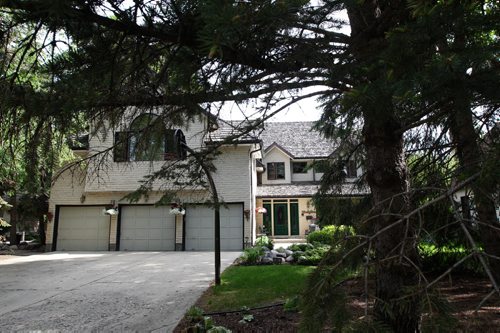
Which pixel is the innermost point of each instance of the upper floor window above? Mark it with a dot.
(299, 167)
(275, 170)
(146, 140)
(351, 169)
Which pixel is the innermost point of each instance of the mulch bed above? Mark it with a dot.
(464, 293)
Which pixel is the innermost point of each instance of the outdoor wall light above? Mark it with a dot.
(111, 211)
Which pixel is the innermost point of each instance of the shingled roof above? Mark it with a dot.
(231, 131)
(297, 139)
(308, 189)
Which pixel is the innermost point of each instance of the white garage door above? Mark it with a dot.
(200, 228)
(82, 229)
(147, 228)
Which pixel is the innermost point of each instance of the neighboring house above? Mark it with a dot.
(288, 179)
(87, 209)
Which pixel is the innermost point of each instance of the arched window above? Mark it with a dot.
(146, 140)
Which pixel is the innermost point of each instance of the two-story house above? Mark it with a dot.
(290, 174)
(88, 211)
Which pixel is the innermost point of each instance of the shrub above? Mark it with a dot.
(439, 259)
(300, 247)
(330, 234)
(311, 256)
(291, 304)
(264, 241)
(251, 256)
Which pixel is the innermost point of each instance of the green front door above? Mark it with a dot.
(280, 219)
(267, 218)
(294, 218)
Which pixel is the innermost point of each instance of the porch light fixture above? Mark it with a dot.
(176, 209)
(260, 210)
(111, 211)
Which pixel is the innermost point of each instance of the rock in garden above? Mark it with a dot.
(267, 260)
(289, 259)
(288, 252)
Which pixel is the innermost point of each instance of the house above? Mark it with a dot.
(88, 211)
(290, 172)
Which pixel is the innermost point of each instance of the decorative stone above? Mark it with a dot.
(274, 253)
(289, 259)
(267, 260)
(278, 260)
(281, 255)
(288, 252)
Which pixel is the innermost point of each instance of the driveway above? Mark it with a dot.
(103, 291)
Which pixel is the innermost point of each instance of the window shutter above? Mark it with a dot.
(121, 147)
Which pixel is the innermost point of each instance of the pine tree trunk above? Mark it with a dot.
(388, 179)
(470, 156)
(13, 220)
(386, 170)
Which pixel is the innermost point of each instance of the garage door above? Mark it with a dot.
(147, 228)
(200, 228)
(82, 229)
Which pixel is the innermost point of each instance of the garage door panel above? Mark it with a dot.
(147, 228)
(82, 228)
(200, 228)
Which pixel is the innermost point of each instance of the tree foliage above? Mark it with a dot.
(392, 91)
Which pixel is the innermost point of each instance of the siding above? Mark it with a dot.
(232, 179)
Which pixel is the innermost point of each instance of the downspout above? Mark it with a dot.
(252, 195)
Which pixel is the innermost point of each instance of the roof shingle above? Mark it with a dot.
(297, 139)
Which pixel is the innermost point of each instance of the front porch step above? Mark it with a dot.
(293, 240)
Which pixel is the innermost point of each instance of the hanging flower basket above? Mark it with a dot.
(260, 210)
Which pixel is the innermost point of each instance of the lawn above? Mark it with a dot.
(253, 286)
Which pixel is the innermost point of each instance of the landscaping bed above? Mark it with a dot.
(463, 293)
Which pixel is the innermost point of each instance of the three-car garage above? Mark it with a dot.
(146, 228)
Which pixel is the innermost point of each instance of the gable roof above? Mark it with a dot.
(231, 132)
(297, 139)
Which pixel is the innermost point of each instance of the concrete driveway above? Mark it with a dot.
(102, 291)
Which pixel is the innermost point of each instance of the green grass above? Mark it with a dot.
(253, 286)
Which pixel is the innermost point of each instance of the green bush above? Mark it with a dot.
(300, 247)
(251, 256)
(264, 241)
(312, 256)
(439, 259)
(330, 234)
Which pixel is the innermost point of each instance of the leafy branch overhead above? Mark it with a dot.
(411, 91)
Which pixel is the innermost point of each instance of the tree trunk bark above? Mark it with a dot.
(397, 304)
(396, 278)
(13, 220)
(470, 157)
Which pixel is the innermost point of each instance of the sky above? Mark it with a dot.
(305, 110)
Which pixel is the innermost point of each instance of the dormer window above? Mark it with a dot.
(146, 140)
(275, 170)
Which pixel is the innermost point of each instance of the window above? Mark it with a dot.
(351, 169)
(321, 166)
(146, 140)
(299, 167)
(275, 170)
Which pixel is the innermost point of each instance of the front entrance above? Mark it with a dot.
(282, 217)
